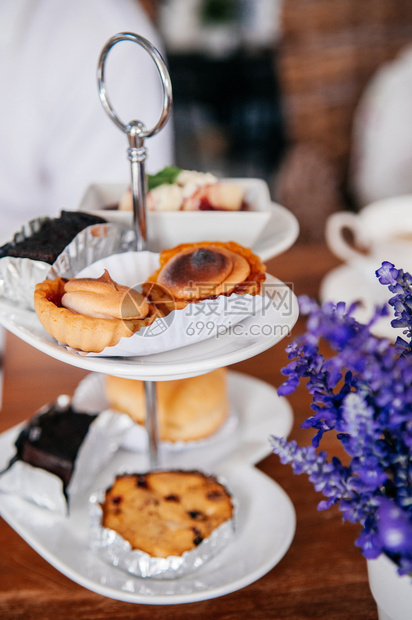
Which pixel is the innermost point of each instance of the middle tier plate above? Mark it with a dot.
(253, 335)
(256, 412)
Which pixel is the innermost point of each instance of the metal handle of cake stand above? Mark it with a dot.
(136, 133)
(135, 130)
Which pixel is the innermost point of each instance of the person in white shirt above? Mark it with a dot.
(55, 137)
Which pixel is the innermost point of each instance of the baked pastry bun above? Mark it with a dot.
(188, 409)
(91, 314)
(166, 513)
(192, 272)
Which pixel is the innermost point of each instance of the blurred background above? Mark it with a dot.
(312, 96)
(222, 58)
(291, 91)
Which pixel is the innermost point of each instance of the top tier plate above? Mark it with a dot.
(274, 228)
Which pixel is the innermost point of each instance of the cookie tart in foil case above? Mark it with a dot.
(162, 524)
(23, 265)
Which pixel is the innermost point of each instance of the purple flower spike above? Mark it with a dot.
(387, 274)
(399, 282)
(362, 391)
(394, 528)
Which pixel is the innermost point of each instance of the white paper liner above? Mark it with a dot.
(45, 489)
(19, 276)
(195, 323)
(36, 485)
(90, 397)
(91, 245)
(114, 549)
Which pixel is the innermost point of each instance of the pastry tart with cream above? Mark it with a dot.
(193, 272)
(91, 314)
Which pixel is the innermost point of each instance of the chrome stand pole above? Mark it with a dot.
(136, 133)
(152, 422)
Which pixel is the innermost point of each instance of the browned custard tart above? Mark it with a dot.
(193, 272)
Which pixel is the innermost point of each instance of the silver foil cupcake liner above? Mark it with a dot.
(90, 245)
(115, 550)
(19, 276)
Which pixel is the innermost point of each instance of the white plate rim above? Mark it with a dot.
(279, 234)
(283, 222)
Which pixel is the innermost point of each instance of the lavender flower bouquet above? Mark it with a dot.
(363, 392)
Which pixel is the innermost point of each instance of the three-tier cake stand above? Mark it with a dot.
(265, 522)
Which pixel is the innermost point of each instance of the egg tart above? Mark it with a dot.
(91, 314)
(193, 272)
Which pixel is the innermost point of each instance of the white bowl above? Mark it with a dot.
(167, 229)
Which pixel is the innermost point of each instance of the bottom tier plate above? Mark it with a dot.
(265, 529)
(265, 516)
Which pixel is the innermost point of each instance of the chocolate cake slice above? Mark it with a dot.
(52, 237)
(51, 440)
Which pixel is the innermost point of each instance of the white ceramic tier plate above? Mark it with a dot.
(254, 335)
(348, 284)
(268, 228)
(279, 235)
(265, 528)
(256, 411)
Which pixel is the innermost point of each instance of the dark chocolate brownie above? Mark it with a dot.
(51, 440)
(53, 236)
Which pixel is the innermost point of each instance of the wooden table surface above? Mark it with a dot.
(323, 575)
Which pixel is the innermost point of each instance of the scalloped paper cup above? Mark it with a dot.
(194, 323)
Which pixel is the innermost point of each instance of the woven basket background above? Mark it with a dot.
(328, 52)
